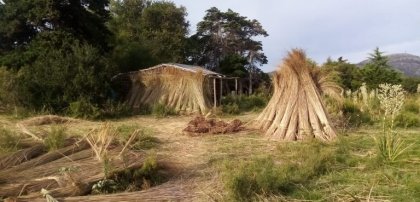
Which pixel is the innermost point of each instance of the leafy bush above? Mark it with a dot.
(9, 141)
(231, 109)
(407, 120)
(55, 138)
(83, 108)
(61, 70)
(131, 179)
(113, 109)
(160, 110)
(235, 104)
(354, 115)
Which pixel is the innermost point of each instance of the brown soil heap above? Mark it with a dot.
(296, 111)
(200, 125)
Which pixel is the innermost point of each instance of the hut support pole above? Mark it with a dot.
(221, 91)
(236, 86)
(214, 93)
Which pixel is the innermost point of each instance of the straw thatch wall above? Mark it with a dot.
(184, 90)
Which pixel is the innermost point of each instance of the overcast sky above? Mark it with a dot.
(348, 28)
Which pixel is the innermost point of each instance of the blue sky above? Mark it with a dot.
(325, 28)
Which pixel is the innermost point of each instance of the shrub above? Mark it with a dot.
(231, 109)
(56, 137)
(113, 109)
(232, 104)
(160, 110)
(9, 141)
(407, 120)
(354, 115)
(83, 108)
(131, 179)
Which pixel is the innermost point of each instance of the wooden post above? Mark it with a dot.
(221, 91)
(236, 86)
(214, 93)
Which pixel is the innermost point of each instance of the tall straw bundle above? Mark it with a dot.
(181, 90)
(296, 111)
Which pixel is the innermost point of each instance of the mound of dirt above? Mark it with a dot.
(200, 125)
(47, 120)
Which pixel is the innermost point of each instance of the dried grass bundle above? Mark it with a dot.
(181, 90)
(296, 111)
(99, 140)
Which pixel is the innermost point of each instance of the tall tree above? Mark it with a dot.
(148, 33)
(348, 75)
(378, 71)
(226, 33)
(57, 48)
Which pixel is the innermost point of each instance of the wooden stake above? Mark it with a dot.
(221, 91)
(214, 93)
(236, 86)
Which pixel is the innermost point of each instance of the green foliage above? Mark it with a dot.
(231, 108)
(21, 21)
(144, 141)
(7, 95)
(160, 110)
(378, 71)
(224, 34)
(9, 141)
(407, 120)
(348, 76)
(410, 84)
(131, 179)
(147, 33)
(232, 104)
(354, 116)
(63, 71)
(55, 138)
(233, 65)
(83, 108)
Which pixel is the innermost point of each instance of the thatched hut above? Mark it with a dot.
(185, 88)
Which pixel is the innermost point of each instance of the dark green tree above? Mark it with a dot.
(347, 74)
(225, 33)
(56, 48)
(147, 33)
(378, 71)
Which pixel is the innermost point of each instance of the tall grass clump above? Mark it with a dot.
(55, 138)
(160, 110)
(100, 139)
(263, 177)
(9, 141)
(410, 114)
(390, 144)
(354, 116)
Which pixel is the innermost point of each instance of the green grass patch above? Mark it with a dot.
(9, 141)
(144, 141)
(55, 138)
(346, 170)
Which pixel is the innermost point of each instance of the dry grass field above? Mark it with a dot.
(246, 166)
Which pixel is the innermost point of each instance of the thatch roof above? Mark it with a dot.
(183, 67)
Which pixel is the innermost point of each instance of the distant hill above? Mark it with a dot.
(402, 62)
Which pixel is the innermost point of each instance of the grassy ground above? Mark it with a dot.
(245, 166)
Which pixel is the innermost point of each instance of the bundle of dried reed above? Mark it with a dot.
(296, 111)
